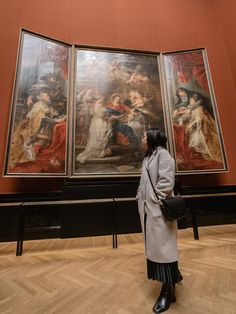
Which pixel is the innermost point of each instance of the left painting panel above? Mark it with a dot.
(38, 132)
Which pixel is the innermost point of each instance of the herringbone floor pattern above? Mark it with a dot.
(87, 276)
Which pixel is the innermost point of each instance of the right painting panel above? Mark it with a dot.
(193, 117)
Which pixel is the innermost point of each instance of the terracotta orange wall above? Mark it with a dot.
(226, 11)
(159, 25)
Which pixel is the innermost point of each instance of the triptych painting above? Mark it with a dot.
(82, 111)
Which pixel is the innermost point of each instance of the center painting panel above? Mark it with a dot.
(117, 97)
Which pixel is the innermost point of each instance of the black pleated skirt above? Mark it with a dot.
(164, 272)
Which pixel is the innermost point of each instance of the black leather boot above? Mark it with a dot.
(167, 295)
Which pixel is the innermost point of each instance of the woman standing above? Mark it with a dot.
(160, 235)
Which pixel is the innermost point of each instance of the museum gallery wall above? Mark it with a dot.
(82, 111)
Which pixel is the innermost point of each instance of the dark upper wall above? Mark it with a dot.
(159, 25)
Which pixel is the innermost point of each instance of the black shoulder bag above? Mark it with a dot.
(172, 207)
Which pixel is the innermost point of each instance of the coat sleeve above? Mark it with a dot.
(139, 186)
(137, 194)
(166, 174)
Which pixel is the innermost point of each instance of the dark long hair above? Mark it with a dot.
(155, 138)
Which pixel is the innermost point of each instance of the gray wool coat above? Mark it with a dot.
(160, 235)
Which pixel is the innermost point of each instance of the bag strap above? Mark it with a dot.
(152, 184)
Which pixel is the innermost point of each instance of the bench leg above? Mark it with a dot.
(194, 221)
(20, 232)
(114, 226)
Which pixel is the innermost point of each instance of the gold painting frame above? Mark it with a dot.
(38, 132)
(193, 119)
(103, 76)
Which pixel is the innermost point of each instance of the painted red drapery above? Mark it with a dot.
(187, 158)
(189, 65)
(50, 159)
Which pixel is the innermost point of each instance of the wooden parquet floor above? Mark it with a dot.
(87, 276)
